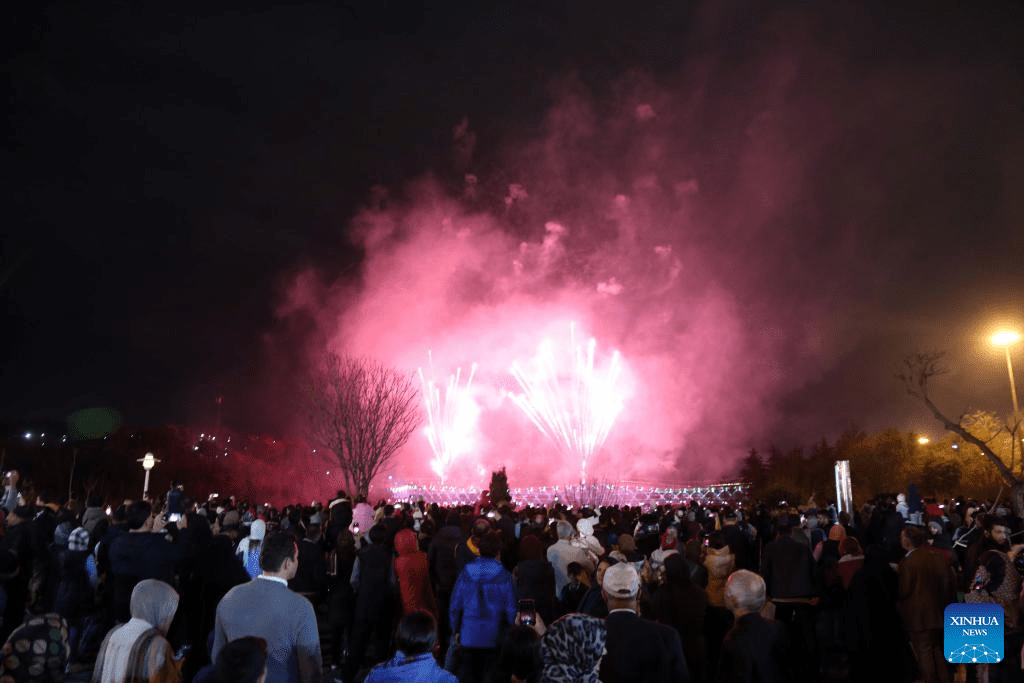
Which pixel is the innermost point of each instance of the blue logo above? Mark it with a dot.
(974, 633)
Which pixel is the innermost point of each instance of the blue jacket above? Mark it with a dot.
(483, 603)
(421, 669)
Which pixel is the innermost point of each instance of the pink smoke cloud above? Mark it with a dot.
(677, 227)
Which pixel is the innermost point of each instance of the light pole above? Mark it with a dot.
(147, 464)
(1006, 339)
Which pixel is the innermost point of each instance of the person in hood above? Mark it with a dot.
(483, 606)
(412, 573)
(720, 563)
(415, 637)
(249, 547)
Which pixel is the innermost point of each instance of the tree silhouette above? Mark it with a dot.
(363, 412)
(918, 370)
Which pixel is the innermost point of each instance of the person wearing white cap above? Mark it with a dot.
(639, 650)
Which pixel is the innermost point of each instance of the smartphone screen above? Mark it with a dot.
(173, 517)
(527, 612)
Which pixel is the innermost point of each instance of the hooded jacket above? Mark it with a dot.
(483, 603)
(400, 668)
(720, 564)
(412, 574)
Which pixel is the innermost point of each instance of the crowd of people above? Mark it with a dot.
(225, 590)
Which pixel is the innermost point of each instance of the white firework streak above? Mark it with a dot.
(450, 421)
(575, 408)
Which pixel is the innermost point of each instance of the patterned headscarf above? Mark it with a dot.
(36, 651)
(572, 648)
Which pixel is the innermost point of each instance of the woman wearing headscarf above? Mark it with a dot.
(36, 651)
(571, 650)
(138, 650)
(249, 547)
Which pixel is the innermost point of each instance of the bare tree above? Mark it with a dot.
(363, 411)
(918, 370)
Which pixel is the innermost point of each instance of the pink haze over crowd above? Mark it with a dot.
(606, 227)
(727, 230)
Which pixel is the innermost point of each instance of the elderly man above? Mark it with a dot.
(265, 607)
(755, 648)
(638, 650)
(563, 552)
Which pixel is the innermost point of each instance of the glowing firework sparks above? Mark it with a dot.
(576, 406)
(451, 421)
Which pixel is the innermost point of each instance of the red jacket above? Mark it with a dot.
(413, 574)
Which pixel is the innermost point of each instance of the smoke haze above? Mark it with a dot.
(734, 227)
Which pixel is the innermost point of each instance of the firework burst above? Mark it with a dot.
(451, 418)
(574, 405)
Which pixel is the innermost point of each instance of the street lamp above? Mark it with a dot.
(147, 464)
(923, 440)
(1006, 339)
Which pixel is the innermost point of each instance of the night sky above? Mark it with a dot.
(170, 169)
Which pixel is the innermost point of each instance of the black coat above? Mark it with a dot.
(441, 554)
(789, 570)
(312, 574)
(535, 579)
(756, 649)
(375, 593)
(74, 599)
(641, 651)
(684, 608)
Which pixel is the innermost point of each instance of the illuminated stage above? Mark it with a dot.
(593, 495)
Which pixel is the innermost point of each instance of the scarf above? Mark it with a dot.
(572, 648)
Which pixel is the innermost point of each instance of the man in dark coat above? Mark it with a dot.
(639, 650)
(144, 553)
(755, 648)
(926, 586)
(311, 577)
(444, 571)
(372, 581)
(792, 584)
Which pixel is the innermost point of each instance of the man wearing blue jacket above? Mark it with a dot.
(483, 606)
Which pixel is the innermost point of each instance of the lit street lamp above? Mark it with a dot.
(923, 440)
(147, 464)
(1006, 339)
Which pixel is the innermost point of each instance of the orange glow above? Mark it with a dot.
(1005, 338)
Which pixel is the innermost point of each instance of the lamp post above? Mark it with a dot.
(1006, 339)
(147, 464)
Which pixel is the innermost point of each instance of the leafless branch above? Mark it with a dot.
(918, 370)
(362, 411)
